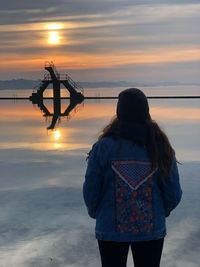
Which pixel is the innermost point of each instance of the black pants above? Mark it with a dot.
(145, 253)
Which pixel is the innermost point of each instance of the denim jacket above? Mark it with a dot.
(127, 198)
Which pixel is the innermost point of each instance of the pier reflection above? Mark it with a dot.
(57, 114)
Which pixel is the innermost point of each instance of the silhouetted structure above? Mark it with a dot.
(75, 92)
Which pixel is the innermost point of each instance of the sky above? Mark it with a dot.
(107, 40)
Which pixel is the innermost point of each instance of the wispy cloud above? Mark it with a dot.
(106, 34)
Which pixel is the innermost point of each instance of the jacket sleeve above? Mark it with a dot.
(171, 191)
(93, 184)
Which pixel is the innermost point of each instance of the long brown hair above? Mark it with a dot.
(158, 146)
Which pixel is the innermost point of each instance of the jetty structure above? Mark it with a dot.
(76, 94)
(56, 79)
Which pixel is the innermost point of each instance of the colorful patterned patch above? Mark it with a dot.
(133, 196)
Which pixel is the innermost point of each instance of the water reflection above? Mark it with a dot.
(43, 219)
(56, 114)
(22, 126)
(57, 135)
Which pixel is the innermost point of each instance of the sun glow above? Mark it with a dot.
(54, 38)
(56, 135)
(54, 33)
(54, 26)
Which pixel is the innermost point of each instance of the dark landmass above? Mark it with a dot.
(17, 84)
(131, 84)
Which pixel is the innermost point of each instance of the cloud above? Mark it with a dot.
(99, 35)
(100, 11)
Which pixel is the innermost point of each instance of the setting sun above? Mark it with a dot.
(54, 38)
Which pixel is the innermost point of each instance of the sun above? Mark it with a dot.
(54, 31)
(54, 38)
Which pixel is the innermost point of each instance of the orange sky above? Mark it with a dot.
(160, 42)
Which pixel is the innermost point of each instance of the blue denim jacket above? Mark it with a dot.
(127, 198)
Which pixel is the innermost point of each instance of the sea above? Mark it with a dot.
(43, 219)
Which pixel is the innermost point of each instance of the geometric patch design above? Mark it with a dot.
(133, 184)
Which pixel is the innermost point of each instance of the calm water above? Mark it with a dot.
(43, 221)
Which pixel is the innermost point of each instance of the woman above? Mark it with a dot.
(131, 185)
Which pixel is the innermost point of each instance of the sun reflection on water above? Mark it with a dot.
(56, 139)
(56, 135)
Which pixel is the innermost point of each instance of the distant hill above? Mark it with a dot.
(17, 84)
(29, 84)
